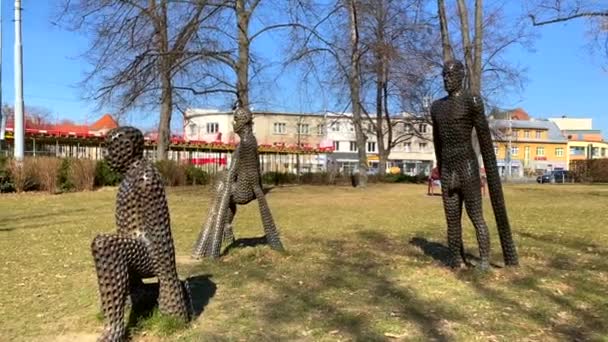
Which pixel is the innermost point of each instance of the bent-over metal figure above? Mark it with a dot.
(454, 118)
(143, 245)
(241, 185)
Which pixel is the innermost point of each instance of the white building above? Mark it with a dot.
(413, 156)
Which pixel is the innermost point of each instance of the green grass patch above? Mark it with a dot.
(361, 265)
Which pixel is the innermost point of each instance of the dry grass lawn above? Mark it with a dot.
(362, 265)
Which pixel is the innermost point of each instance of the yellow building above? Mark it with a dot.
(537, 146)
(584, 142)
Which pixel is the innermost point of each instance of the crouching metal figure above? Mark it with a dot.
(454, 118)
(241, 185)
(142, 246)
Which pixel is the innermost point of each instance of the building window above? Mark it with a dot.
(422, 147)
(603, 151)
(540, 151)
(496, 150)
(351, 127)
(371, 146)
(526, 134)
(353, 146)
(422, 128)
(192, 128)
(577, 150)
(407, 146)
(538, 134)
(559, 151)
(280, 128)
(303, 129)
(514, 133)
(335, 127)
(336, 145)
(321, 129)
(514, 150)
(212, 127)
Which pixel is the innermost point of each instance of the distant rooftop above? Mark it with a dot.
(554, 133)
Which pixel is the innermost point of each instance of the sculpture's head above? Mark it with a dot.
(242, 119)
(123, 146)
(453, 74)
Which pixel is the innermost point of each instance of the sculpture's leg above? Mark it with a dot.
(272, 234)
(171, 295)
(220, 222)
(228, 233)
(204, 238)
(113, 256)
(452, 204)
(473, 205)
(203, 244)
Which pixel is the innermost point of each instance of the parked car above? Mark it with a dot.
(557, 176)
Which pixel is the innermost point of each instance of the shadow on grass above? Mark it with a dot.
(354, 287)
(35, 225)
(441, 253)
(199, 288)
(355, 272)
(245, 242)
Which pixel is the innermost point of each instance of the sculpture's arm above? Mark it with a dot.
(436, 139)
(493, 180)
(154, 212)
(485, 137)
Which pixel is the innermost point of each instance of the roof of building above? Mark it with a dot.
(106, 122)
(554, 134)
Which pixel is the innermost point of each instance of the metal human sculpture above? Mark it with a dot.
(143, 245)
(454, 118)
(241, 185)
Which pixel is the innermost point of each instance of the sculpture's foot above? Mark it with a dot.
(511, 261)
(484, 265)
(228, 234)
(112, 334)
(276, 245)
(457, 263)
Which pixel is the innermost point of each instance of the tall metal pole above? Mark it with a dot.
(2, 117)
(19, 129)
(509, 148)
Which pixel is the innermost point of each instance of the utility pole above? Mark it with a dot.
(2, 117)
(19, 127)
(509, 147)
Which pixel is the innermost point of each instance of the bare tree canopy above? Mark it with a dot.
(595, 12)
(145, 54)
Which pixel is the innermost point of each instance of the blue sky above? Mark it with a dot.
(563, 79)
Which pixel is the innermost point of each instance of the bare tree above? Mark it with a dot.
(560, 11)
(141, 51)
(354, 81)
(320, 46)
(392, 33)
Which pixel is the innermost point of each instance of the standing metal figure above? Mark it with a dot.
(454, 118)
(143, 246)
(242, 184)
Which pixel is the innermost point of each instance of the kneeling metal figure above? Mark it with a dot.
(143, 245)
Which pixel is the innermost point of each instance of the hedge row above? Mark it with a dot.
(326, 178)
(56, 175)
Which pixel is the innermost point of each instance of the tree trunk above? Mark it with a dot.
(466, 42)
(242, 65)
(380, 82)
(166, 101)
(476, 75)
(448, 54)
(164, 125)
(355, 89)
